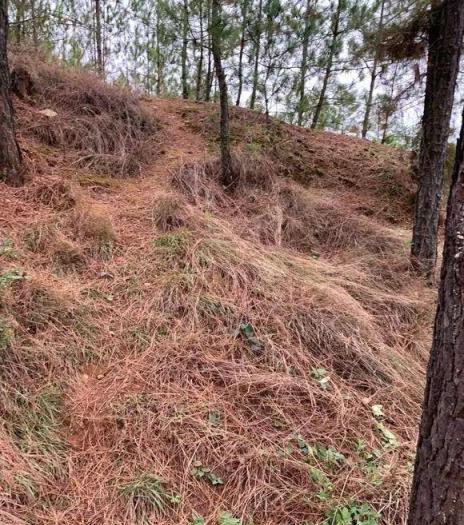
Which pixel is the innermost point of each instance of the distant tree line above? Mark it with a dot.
(317, 63)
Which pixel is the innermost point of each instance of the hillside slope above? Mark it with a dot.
(173, 354)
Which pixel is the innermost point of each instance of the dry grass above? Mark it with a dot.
(96, 126)
(377, 177)
(180, 352)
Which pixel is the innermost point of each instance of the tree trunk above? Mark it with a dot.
(10, 154)
(19, 22)
(370, 95)
(185, 21)
(209, 72)
(257, 54)
(437, 493)
(200, 61)
(35, 39)
(328, 69)
(445, 41)
(304, 64)
(227, 175)
(159, 63)
(242, 49)
(98, 38)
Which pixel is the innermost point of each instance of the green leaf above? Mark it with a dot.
(319, 478)
(377, 411)
(321, 376)
(226, 518)
(302, 445)
(389, 439)
(201, 472)
(248, 333)
(9, 276)
(197, 520)
(214, 418)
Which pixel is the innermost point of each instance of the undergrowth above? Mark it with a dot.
(94, 125)
(170, 353)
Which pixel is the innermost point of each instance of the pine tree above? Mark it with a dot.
(446, 32)
(10, 154)
(216, 29)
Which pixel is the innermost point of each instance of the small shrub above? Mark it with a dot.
(352, 514)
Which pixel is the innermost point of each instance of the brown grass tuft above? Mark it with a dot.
(96, 126)
(59, 194)
(93, 228)
(169, 213)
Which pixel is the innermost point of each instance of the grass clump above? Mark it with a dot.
(147, 495)
(35, 426)
(97, 126)
(7, 333)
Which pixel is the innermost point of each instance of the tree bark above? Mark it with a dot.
(328, 69)
(35, 39)
(257, 55)
(437, 494)
(98, 38)
(209, 72)
(242, 50)
(445, 41)
(184, 74)
(304, 63)
(370, 95)
(19, 21)
(227, 175)
(159, 61)
(10, 155)
(200, 61)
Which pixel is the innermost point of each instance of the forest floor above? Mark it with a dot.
(171, 353)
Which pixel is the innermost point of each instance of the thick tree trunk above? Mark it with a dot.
(184, 74)
(10, 154)
(445, 41)
(242, 50)
(254, 88)
(437, 493)
(227, 175)
(98, 38)
(370, 95)
(328, 69)
(304, 64)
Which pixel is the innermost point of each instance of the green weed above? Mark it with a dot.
(321, 376)
(226, 518)
(201, 472)
(7, 250)
(36, 427)
(148, 494)
(352, 514)
(6, 334)
(172, 241)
